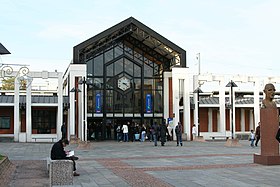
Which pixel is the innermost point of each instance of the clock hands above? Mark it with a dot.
(126, 84)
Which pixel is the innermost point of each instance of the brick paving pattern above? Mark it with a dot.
(136, 164)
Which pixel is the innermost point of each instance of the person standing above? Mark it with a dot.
(63, 130)
(143, 133)
(252, 138)
(258, 134)
(155, 130)
(163, 131)
(178, 131)
(119, 133)
(125, 133)
(169, 130)
(194, 131)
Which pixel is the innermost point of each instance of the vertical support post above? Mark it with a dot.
(231, 108)
(198, 123)
(84, 106)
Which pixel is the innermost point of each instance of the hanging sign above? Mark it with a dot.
(148, 103)
(98, 103)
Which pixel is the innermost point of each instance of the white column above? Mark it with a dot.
(166, 76)
(257, 101)
(72, 107)
(59, 121)
(242, 120)
(186, 106)
(175, 90)
(195, 99)
(210, 120)
(28, 111)
(222, 124)
(251, 121)
(16, 111)
(85, 138)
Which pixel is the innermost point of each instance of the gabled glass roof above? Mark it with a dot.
(132, 28)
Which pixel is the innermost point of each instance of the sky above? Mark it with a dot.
(232, 37)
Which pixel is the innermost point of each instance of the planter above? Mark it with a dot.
(4, 165)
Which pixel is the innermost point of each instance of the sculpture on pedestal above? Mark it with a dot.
(269, 119)
(269, 91)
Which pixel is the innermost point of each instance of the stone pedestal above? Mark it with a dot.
(269, 145)
(61, 172)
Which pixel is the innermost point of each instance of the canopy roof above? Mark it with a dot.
(145, 36)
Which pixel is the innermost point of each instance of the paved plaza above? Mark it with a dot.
(109, 164)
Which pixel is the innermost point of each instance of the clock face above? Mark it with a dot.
(124, 83)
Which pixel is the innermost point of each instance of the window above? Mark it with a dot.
(5, 122)
(43, 121)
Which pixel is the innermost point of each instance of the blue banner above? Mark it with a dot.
(98, 103)
(148, 103)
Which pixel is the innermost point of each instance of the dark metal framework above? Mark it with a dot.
(160, 54)
(146, 38)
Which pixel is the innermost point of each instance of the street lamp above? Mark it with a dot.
(231, 84)
(198, 90)
(75, 90)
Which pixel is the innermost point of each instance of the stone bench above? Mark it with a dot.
(61, 172)
(220, 137)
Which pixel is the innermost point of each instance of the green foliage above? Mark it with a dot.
(9, 84)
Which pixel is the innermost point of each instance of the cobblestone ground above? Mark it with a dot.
(135, 164)
(5, 177)
(27, 173)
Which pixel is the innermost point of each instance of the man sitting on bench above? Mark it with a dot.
(58, 153)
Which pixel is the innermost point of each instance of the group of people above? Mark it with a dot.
(157, 132)
(131, 132)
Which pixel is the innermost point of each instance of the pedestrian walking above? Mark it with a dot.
(155, 131)
(143, 133)
(163, 131)
(194, 131)
(178, 131)
(252, 138)
(125, 132)
(258, 134)
(63, 131)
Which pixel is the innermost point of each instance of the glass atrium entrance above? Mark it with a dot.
(125, 66)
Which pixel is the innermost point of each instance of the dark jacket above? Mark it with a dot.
(163, 131)
(258, 132)
(57, 152)
(278, 135)
(155, 129)
(178, 129)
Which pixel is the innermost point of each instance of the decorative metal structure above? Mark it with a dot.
(126, 65)
(231, 84)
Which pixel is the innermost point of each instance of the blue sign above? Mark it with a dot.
(98, 103)
(148, 103)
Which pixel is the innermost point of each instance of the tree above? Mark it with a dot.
(9, 84)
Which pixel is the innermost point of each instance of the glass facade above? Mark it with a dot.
(127, 84)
